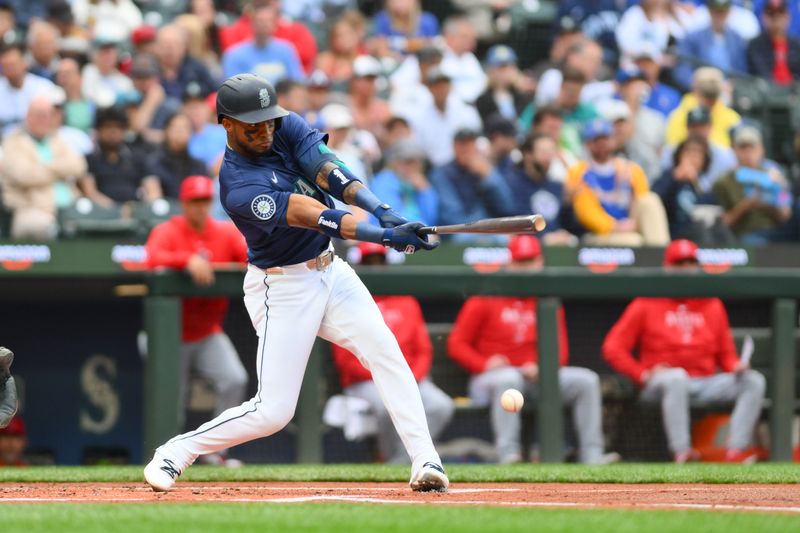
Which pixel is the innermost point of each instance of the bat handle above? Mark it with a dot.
(427, 230)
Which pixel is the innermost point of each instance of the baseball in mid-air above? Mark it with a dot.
(512, 400)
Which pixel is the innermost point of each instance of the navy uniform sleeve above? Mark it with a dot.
(306, 145)
(258, 205)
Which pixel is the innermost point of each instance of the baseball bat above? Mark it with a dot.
(518, 224)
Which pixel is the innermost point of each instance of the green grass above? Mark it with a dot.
(526, 473)
(333, 518)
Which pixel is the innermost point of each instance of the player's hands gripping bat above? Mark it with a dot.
(518, 224)
(8, 389)
(406, 238)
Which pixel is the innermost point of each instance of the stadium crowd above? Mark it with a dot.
(625, 134)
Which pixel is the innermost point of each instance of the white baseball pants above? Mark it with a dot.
(288, 311)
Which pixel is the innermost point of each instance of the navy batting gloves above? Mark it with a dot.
(404, 238)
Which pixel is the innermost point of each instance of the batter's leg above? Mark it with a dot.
(671, 387)
(580, 390)
(286, 311)
(352, 320)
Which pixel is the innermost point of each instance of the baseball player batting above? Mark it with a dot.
(277, 182)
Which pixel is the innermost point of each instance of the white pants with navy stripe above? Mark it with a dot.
(288, 312)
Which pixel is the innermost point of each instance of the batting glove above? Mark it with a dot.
(404, 238)
(388, 217)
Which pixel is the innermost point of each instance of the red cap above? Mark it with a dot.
(680, 250)
(196, 188)
(370, 248)
(524, 247)
(143, 34)
(15, 427)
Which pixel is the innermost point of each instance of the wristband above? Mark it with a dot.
(369, 233)
(338, 180)
(330, 222)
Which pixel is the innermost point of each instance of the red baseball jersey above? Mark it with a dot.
(173, 242)
(498, 325)
(404, 317)
(691, 333)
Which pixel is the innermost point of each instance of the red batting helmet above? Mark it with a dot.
(524, 248)
(680, 250)
(371, 248)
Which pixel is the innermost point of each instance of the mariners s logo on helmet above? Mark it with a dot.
(263, 96)
(263, 207)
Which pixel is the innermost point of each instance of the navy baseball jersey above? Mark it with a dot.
(255, 194)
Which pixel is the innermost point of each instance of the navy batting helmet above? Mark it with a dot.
(248, 98)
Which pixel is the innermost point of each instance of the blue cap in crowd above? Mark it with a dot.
(625, 75)
(596, 128)
(501, 54)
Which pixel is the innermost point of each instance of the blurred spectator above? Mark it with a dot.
(502, 135)
(397, 128)
(653, 23)
(402, 28)
(756, 199)
(343, 48)
(370, 112)
(43, 48)
(78, 110)
(356, 148)
(611, 197)
(715, 45)
(502, 95)
(663, 98)
(495, 339)
(534, 191)
(586, 58)
(171, 162)
(681, 342)
(272, 59)
(490, 18)
(403, 184)
(38, 178)
(13, 440)
(155, 105)
(794, 14)
(208, 138)
(75, 138)
(178, 68)
(575, 112)
(775, 55)
(318, 88)
(103, 83)
(412, 93)
(17, 86)
(206, 13)
(436, 121)
(292, 95)
(549, 120)
(115, 19)
(597, 19)
(469, 187)
(742, 19)
(59, 14)
(198, 44)
(647, 127)
(567, 33)
(707, 87)
(8, 23)
(143, 39)
(458, 60)
(723, 159)
(197, 244)
(116, 172)
(403, 316)
(296, 34)
(680, 191)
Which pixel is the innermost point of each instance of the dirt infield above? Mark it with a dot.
(745, 497)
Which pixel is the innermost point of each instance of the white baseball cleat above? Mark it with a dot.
(430, 478)
(161, 473)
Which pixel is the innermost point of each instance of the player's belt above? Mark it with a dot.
(321, 263)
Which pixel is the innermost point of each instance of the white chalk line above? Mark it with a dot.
(363, 499)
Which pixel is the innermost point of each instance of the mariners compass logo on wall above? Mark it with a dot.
(263, 207)
(263, 96)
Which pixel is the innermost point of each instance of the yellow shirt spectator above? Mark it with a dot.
(723, 118)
